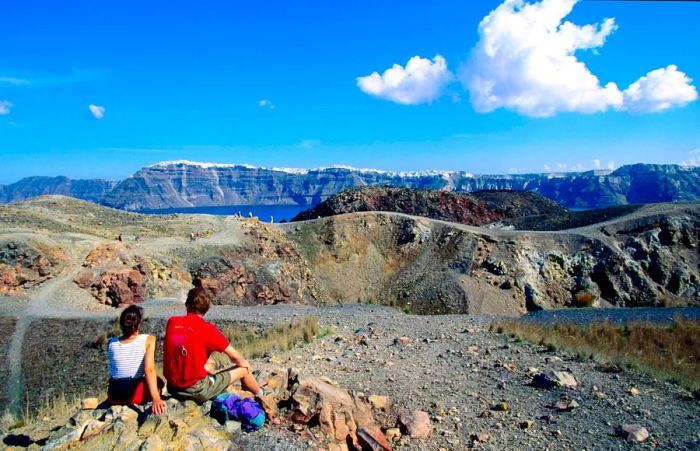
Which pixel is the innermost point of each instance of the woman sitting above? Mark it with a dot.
(132, 373)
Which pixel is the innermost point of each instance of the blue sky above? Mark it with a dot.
(275, 83)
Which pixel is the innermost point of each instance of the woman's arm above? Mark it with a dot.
(149, 368)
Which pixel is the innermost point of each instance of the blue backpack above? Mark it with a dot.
(228, 406)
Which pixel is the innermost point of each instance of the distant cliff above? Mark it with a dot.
(90, 190)
(187, 184)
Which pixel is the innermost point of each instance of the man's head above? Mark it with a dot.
(197, 301)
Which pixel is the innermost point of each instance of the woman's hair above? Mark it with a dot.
(130, 319)
(198, 301)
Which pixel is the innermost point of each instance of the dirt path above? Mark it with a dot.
(41, 305)
(15, 386)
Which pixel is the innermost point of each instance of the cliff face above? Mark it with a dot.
(186, 184)
(646, 258)
(90, 190)
(479, 208)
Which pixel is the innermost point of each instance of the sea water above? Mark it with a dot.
(265, 213)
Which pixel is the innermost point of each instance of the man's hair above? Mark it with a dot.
(198, 301)
(130, 320)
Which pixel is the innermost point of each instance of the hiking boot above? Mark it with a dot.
(268, 404)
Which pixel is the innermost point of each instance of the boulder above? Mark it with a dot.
(416, 424)
(402, 341)
(393, 435)
(550, 379)
(501, 407)
(71, 432)
(526, 424)
(84, 279)
(89, 403)
(104, 253)
(343, 417)
(566, 406)
(152, 443)
(632, 432)
(119, 287)
(379, 402)
(498, 268)
(480, 437)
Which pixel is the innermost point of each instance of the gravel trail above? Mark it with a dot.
(614, 315)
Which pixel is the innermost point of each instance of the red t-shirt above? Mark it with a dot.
(188, 342)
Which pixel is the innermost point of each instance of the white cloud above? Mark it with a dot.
(525, 61)
(660, 90)
(561, 166)
(596, 163)
(13, 81)
(308, 144)
(265, 103)
(98, 112)
(693, 160)
(421, 81)
(611, 165)
(578, 167)
(547, 167)
(5, 107)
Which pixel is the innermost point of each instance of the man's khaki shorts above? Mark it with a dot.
(204, 389)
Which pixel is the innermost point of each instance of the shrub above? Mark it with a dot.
(252, 341)
(112, 330)
(583, 299)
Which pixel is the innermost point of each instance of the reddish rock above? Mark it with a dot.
(8, 279)
(84, 279)
(120, 287)
(102, 254)
(480, 437)
(341, 416)
(416, 424)
(379, 402)
(402, 341)
(26, 265)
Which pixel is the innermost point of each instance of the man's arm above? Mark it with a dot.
(236, 357)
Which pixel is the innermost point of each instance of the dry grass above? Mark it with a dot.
(258, 342)
(670, 352)
(59, 408)
(112, 330)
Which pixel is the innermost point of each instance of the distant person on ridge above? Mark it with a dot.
(189, 342)
(132, 374)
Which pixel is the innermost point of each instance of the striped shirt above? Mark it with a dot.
(126, 360)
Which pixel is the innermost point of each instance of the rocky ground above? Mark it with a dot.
(69, 251)
(63, 269)
(474, 385)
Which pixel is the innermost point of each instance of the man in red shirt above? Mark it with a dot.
(189, 341)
